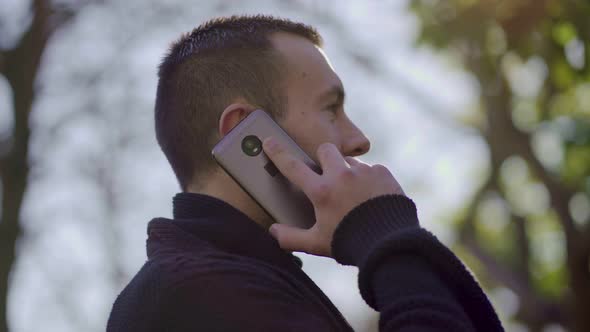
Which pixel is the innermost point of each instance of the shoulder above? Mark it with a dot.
(144, 283)
(224, 293)
(136, 306)
(215, 271)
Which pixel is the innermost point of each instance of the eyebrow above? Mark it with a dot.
(335, 91)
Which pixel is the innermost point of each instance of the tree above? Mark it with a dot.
(531, 60)
(20, 64)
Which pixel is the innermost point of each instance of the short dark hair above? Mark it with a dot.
(205, 70)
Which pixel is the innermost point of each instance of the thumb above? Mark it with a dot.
(289, 237)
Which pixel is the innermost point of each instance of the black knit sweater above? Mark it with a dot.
(211, 268)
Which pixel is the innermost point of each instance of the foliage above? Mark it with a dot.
(528, 225)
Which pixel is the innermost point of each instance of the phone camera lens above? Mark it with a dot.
(251, 145)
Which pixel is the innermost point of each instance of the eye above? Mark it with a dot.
(333, 108)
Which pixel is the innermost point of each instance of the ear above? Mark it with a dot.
(232, 115)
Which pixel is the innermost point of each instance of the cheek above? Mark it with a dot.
(313, 133)
(310, 129)
(326, 126)
(324, 129)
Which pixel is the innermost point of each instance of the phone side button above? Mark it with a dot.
(271, 169)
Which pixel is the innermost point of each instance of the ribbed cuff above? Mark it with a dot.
(365, 225)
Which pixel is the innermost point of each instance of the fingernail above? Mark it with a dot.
(273, 231)
(270, 145)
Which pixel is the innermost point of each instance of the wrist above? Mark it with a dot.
(366, 224)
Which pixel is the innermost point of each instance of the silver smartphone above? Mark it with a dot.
(240, 154)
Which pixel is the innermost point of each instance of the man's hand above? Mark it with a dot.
(345, 183)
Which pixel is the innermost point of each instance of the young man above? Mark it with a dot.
(216, 266)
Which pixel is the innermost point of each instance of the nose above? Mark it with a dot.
(361, 148)
(356, 143)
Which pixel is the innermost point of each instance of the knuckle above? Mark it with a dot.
(272, 147)
(291, 164)
(380, 169)
(364, 167)
(276, 149)
(345, 175)
(321, 193)
(324, 148)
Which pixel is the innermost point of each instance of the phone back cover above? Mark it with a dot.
(275, 194)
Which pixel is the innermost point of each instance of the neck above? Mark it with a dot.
(222, 186)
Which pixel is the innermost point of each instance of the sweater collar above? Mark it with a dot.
(225, 227)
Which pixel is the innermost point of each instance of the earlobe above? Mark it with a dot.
(231, 116)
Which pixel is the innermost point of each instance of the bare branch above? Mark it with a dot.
(2, 62)
(522, 246)
(5, 146)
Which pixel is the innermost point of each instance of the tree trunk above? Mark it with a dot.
(578, 263)
(20, 66)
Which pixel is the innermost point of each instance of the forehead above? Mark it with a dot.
(309, 70)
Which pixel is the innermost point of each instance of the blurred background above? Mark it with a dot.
(481, 109)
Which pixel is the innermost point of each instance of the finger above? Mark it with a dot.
(330, 158)
(357, 163)
(352, 161)
(293, 169)
(291, 238)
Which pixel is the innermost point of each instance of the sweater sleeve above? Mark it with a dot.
(405, 273)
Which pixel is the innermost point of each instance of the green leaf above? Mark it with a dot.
(577, 164)
(562, 74)
(563, 33)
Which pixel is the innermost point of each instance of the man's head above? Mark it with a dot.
(226, 68)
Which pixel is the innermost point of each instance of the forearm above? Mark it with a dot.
(406, 274)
